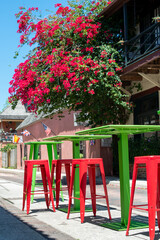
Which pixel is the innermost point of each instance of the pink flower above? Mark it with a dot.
(110, 73)
(118, 68)
(80, 6)
(89, 49)
(51, 79)
(111, 60)
(57, 5)
(91, 92)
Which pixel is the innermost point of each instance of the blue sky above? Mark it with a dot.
(9, 38)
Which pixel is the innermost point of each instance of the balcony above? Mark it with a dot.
(6, 137)
(142, 45)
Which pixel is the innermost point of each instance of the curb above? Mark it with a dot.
(111, 181)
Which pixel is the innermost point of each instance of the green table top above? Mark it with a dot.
(76, 137)
(119, 129)
(41, 143)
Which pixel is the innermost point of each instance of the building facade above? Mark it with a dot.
(64, 126)
(140, 46)
(10, 119)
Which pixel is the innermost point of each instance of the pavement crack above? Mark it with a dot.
(8, 200)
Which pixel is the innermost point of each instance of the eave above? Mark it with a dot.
(112, 8)
(150, 64)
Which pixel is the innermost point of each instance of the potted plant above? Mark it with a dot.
(7, 148)
(156, 19)
(121, 42)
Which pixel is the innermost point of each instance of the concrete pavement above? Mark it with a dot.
(46, 224)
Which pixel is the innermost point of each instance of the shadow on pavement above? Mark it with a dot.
(17, 225)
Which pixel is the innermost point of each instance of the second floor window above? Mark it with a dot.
(77, 122)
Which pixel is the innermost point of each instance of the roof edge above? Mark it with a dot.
(112, 8)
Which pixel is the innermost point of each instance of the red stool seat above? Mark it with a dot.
(84, 165)
(58, 165)
(29, 165)
(152, 165)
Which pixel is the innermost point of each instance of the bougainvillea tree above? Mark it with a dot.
(72, 64)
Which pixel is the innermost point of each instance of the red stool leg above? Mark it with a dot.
(92, 181)
(158, 196)
(29, 183)
(105, 187)
(49, 184)
(135, 170)
(52, 175)
(24, 186)
(83, 181)
(71, 188)
(152, 171)
(52, 180)
(58, 179)
(43, 173)
(67, 168)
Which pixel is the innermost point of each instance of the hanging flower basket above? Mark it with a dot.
(121, 42)
(156, 19)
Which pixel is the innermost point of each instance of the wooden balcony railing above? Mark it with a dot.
(7, 137)
(142, 45)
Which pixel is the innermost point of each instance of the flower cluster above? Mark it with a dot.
(70, 67)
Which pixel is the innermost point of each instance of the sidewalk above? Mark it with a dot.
(45, 224)
(109, 180)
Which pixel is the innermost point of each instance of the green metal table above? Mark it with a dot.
(122, 131)
(33, 154)
(75, 139)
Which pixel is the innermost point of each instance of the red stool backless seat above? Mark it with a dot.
(84, 165)
(58, 165)
(29, 165)
(152, 165)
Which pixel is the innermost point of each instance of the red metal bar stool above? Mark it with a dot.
(29, 165)
(57, 164)
(84, 165)
(152, 165)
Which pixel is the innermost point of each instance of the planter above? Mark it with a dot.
(156, 19)
(121, 42)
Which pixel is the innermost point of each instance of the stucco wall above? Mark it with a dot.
(65, 126)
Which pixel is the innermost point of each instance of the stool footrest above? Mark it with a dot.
(144, 209)
(141, 205)
(75, 197)
(97, 197)
(38, 192)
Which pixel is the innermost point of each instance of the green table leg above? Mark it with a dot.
(50, 155)
(124, 177)
(76, 154)
(35, 156)
(55, 151)
(124, 189)
(31, 152)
